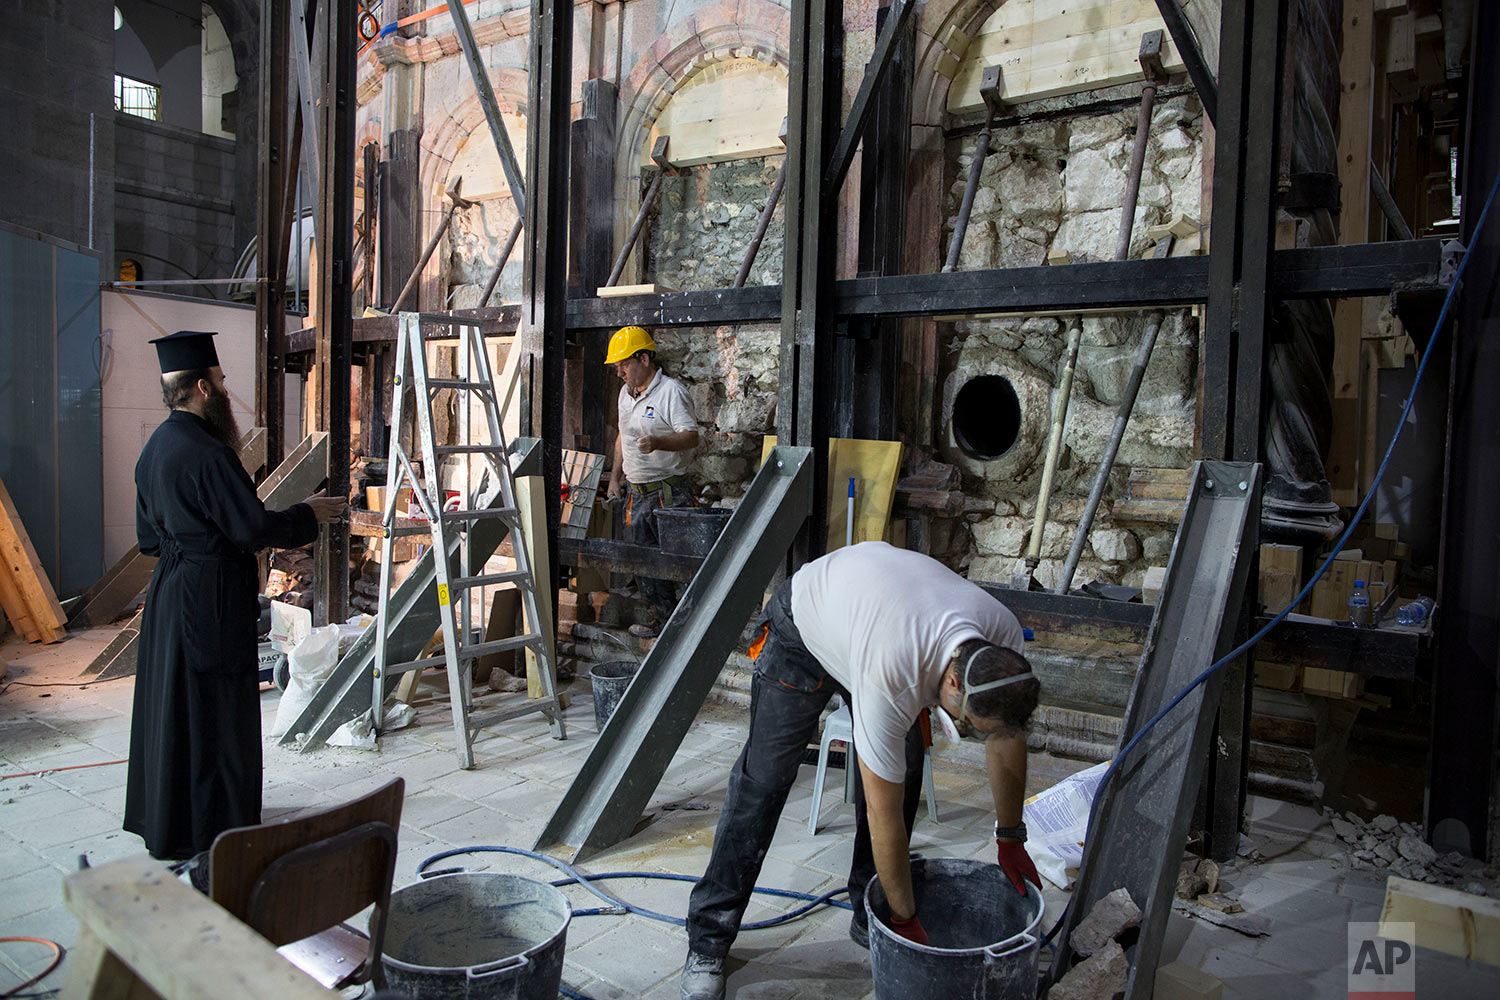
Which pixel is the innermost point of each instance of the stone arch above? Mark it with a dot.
(718, 32)
(440, 145)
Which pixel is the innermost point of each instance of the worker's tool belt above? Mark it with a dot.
(660, 484)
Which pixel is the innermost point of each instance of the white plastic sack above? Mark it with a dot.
(398, 715)
(309, 664)
(1057, 820)
(356, 733)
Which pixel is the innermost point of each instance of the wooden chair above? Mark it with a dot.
(295, 881)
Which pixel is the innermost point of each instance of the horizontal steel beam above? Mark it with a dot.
(626, 557)
(1313, 272)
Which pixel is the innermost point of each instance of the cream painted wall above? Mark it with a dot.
(131, 382)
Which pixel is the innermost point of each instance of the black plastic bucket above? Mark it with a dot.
(690, 531)
(609, 681)
(984, 935)
(476, 936)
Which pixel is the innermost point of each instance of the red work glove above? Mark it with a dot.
(1012, 856)
(911, 929)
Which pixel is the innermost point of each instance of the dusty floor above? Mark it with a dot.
(49, 820)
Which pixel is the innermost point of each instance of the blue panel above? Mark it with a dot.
(50, 426)
(80, 470)
(27, 395)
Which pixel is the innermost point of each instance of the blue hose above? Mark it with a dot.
(1337, 548)
(618, 906)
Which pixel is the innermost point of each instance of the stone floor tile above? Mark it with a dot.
(38, 889)
(64, 827)
(634, 956)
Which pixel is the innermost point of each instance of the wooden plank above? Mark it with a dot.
(16, 610)
(1280, 575)
(163, 934)
(1356, 112)
(1449, 921)
(532, 501)
(18, 559)
(1046, 48)
(728, 110)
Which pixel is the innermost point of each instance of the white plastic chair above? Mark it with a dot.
(840, 727)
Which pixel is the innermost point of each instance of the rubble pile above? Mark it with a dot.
(1386, 843)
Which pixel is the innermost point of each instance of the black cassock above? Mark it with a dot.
(195, 741)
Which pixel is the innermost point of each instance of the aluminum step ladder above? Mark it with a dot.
(443, 515)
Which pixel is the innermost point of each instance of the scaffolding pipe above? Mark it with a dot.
(989, 89)
(454, 204)
(1107, 461)
(761, 226)
(1054, 446)
(505, 251)
(659, 154)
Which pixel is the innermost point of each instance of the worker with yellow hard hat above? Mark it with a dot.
(654, 447)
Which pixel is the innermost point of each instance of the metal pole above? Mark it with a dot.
(510, 244)
(1107, 461)
(454, 204)
(1137, 163)
(659, 154)
(761, 226)
(487, 101)
(989, 87)
(1054, 446)
(1150, 58)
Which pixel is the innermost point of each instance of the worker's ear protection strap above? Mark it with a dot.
(988, 685)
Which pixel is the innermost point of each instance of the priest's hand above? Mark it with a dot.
(328, 509)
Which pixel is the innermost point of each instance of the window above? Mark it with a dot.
(137, 97)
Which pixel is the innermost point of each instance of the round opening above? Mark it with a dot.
(986, 417)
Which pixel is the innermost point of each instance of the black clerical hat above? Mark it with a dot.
(186, 350)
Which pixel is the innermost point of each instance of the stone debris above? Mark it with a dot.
(1222, 902)
(1111, 916)
(1384, 823)
(1385, 853)
(1416, 851)
(1098, 977)
(1346, 830)
(1196, 878)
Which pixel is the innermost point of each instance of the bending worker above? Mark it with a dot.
(653, 449)
(894, 632)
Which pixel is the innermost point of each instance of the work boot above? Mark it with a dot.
(859, 927)
(702, 977)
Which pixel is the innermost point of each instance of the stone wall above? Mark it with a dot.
(474, 244)
(704, 223)
(730, 373)
(1060, 185)
(174, 201)
(56, 72)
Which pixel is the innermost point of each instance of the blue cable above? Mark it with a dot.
(1337, 548)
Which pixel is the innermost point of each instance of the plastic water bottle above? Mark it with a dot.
(1359, 605)
(1415, 613)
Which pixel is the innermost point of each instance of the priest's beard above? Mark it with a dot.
(221, 422)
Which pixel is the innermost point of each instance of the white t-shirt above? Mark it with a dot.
(884, 622)
(663, 408)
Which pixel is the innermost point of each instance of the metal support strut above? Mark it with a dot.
(659, 155)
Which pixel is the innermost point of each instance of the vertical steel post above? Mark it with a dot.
(271, 183)
(335, 295)
(804, 412)
(543, 331)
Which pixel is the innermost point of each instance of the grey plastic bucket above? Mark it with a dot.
(476, 936)
(690, 531)
(609, 681)
(984, 935)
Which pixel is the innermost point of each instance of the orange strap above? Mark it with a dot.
(759, 642)
(925, 721)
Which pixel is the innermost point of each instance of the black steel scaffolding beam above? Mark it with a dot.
(274, 178)
(1239, 302)
(335, 292)
(804, 411)
(544, 319)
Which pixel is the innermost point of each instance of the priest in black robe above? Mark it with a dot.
(195, 737)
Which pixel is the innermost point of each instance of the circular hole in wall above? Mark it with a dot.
(986, 417)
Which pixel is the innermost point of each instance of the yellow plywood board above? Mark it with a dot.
(874, 466)
(1045, 48)
(726, 111)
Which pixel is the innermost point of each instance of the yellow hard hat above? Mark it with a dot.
(626, 342)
